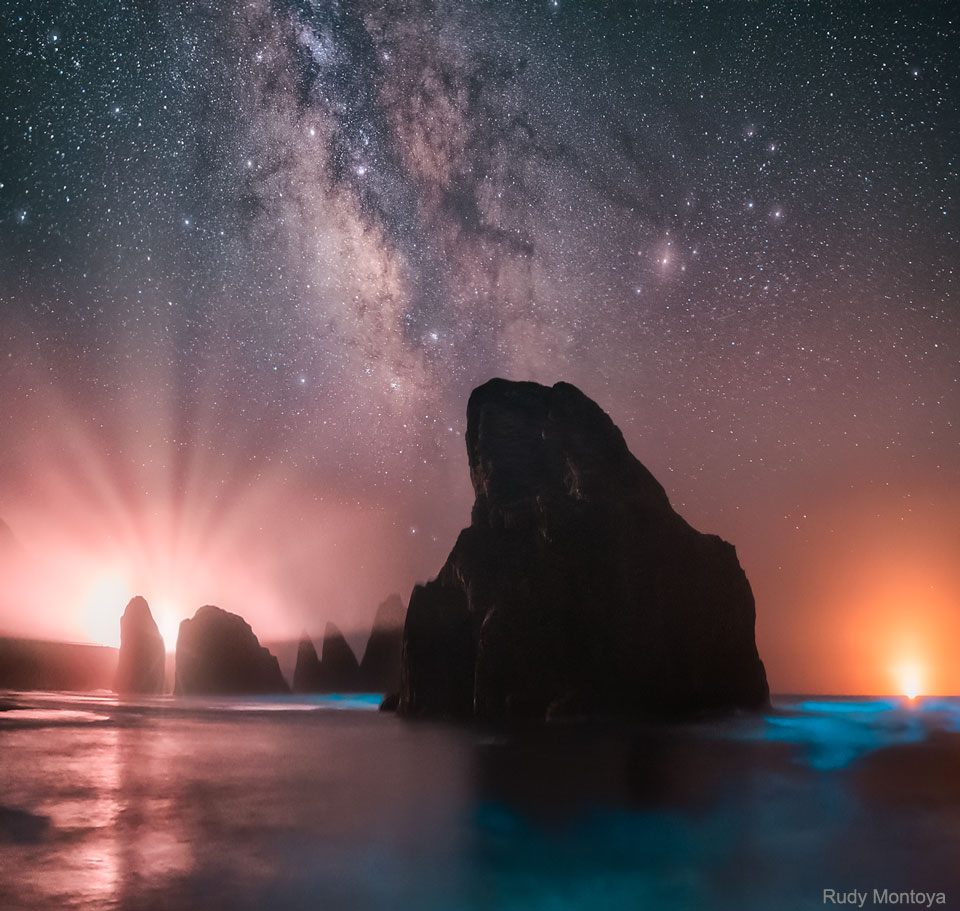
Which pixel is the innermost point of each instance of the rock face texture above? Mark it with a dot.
(217, 652)
(380, 667)
(337, 672)
(140, 666)
(576, 588)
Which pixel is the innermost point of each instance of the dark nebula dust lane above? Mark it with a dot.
(254, 257)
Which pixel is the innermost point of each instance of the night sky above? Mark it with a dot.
(255, 256)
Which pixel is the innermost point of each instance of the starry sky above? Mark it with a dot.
(255, 255)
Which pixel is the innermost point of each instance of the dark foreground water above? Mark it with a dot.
(327, 804)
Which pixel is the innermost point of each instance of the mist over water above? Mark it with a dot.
(285, 558)
(324, 803)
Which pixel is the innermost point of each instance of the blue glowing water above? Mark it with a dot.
(321, 803)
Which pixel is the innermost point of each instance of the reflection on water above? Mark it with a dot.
(325, 803)
(73, 784)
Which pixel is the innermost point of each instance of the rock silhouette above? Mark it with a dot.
(337, 671)
(576, 589)
(380, 667)
(217, 652)
(140, 667)
(307, 671)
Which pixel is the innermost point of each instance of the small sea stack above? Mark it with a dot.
(218, 653)
(336, 672)
(577, 589)
(308, 666)
(380, 666)
(140, 666)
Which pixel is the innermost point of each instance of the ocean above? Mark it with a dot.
(326, 803)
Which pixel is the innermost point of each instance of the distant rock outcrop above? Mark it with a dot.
(337, 671)
(217, 652)
(140, 667)
(307, 671)
(576, 588)
(380, 667)
(31, 664)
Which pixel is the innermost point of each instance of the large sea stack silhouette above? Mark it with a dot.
(140, 666)
(217, 652)
(338, 670)
(576, 589)
(380, 667)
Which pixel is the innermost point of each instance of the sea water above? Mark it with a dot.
(325, 803)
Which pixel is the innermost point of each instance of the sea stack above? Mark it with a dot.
(576, 589)
(308, 666)
(380, 667)
(336, 672)
(218, 653)
(140, 667)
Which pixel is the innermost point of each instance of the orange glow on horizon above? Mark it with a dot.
(910, 679)
(878, 616)
(72, 577)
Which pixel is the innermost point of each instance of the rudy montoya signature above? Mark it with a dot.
(857, 899)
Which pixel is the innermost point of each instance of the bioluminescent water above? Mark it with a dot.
(323, 802)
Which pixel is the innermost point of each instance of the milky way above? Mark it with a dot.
(256, 255)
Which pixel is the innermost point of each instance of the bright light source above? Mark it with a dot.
(104, 603)
(168, 623)
(910, 679)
